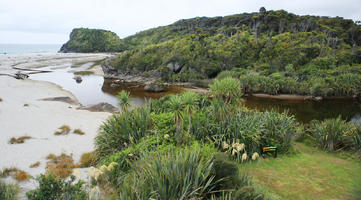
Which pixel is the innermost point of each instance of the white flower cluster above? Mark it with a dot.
(236, 148)
(98, 175)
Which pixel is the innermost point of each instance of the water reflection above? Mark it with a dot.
(94, 89)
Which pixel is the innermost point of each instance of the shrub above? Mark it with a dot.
(227, 89)
(8, 191)
(180, 175)
(52, 188)
(121, 130)
(335, 134)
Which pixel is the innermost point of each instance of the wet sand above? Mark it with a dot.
(40, 119)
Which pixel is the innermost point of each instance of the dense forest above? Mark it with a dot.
(273, 52)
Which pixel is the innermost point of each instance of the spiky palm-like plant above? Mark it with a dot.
(227, 89)
(190, 101)
(124, 101)
(176, 106)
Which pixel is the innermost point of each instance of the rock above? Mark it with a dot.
(114, 85)
(318, 98)
(62, 99)
(101, 107)
(19, 75)
(78, 79)
(154, 87)
(174, 67)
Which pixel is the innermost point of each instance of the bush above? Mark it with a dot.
(8, 191)
(52, 188)
(174, 175)
(121, 130)
(335, 134)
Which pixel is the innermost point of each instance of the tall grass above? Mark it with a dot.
(8, 191)
(181, 175)
(121, 130)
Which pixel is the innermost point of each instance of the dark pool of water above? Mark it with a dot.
(94, 89)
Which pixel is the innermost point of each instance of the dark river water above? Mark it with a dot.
(95, 89)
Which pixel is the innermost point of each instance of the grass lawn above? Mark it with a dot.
(309, 174)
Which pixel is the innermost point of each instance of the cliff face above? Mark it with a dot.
(91, 40)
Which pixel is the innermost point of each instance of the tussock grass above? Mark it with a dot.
(26, 105)
(63, 130)
(87, 159)
(1, 99)
(61, 166)
(8, 171)
(19, 140)
(35, 165)
(21, 175)
(79, 132)
(14, 172)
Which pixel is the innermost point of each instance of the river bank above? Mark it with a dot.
(23, 113)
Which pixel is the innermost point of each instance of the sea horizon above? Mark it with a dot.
(28, 48)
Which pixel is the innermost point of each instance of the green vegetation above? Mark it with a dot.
(188, 146)
(336, 134)
(8, 191)
(273, 52)
(124, 100)
(53, 188)
(309, 174)
(91, 40)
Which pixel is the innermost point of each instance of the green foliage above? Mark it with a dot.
(174, 175)
(8, 191)
(276, 53)
(123, 98)
(52, 188)
(335, 134)
(227, 89)
(121, 130)
(92, 40)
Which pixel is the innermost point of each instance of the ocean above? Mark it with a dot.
(28, 48)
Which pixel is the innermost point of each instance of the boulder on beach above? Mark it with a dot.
(101, 107)
(78, 79)
(154, 87)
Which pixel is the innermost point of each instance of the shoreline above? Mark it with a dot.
(24, 113)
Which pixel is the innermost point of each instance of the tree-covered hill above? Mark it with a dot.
(272, 52)
(91, 40)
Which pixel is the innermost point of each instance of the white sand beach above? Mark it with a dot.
(22, 113)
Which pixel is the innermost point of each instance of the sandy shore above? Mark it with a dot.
(40, 119)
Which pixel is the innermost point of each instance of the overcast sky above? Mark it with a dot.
(51, 21)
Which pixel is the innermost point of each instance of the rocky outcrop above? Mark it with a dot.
(126, 75)
(154, 87)
(101, 107)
